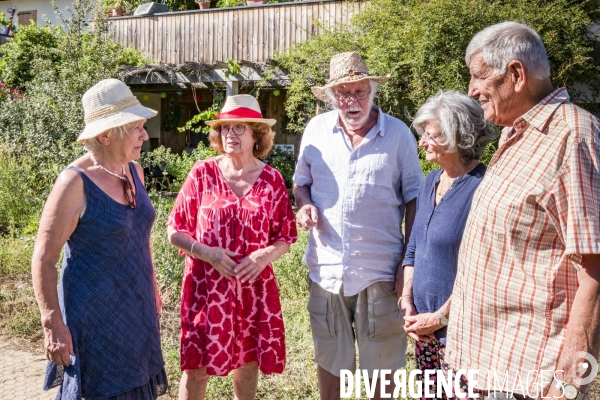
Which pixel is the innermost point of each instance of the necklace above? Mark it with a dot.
(124, 177)
(440, 193)
(127, 186)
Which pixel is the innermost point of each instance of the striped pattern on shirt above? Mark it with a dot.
(533, 217)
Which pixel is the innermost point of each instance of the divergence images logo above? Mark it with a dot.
(582, 367)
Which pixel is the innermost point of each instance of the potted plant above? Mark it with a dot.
(204, 4)
(255, 2)
(116, 7)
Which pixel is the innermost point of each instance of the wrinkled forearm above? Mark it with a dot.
(184, 242)
(408, 280)
(302, 195)
(271, 253)
(583, 327)
(44, 278)
(409, 219)
(445, 309)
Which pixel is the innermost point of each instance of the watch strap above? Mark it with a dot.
(559, 385)
(442, 318)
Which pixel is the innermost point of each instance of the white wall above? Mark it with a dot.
(43, 7)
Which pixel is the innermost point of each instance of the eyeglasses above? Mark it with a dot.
(429, 139)
(129, 194)
(237, 129)
(358, 95)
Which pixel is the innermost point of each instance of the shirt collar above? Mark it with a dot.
(378, 128)
(540, 114)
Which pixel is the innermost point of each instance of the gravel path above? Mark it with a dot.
(22, 373)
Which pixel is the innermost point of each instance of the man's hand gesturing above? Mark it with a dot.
(307, 217)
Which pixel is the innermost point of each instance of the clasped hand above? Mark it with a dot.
(422, 326)
(418, 326)
(247, 270)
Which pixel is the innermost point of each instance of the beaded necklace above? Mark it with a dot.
(96, 163)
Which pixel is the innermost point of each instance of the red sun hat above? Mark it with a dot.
(241, 108)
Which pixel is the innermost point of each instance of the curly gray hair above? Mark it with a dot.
(461, 123)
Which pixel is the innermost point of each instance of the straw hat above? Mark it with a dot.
(241, 108)
(109, 104)
(344, 68)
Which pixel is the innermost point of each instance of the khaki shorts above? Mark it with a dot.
(371, 318)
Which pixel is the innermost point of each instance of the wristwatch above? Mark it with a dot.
(569, 391)
(442, 317)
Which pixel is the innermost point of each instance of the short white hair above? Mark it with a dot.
(508, 41)
(333, 101)
(93, 144)
(460, 121)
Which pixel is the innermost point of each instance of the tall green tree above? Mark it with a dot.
(54, 66)
(422, 46)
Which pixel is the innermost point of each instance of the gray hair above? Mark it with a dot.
(508, 41)
(461, 124)
(93, 144)
(333, 101)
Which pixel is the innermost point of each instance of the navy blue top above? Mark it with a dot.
(107, 300)
(435, 239)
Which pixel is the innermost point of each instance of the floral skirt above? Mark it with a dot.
(430, 356)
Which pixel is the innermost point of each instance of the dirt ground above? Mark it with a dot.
(22, 373)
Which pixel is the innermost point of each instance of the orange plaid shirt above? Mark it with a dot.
(533, 217)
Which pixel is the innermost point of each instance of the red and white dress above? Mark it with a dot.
(225, 323)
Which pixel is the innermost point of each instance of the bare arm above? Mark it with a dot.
(409, 219)
(250, 267)
(409, 215)
(59, 219)
(219, 258)
(307, 216)
(427, 323)
(405, 303)
(583, 326)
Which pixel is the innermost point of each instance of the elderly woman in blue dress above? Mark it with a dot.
(454, 134)
(101, 329)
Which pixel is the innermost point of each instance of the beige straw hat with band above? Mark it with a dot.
(110, 104)
(344, 68)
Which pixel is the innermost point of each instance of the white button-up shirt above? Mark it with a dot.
(360, 195)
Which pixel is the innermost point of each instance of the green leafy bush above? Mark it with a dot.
(422, 45)
(178, 166)
(23, 191)
(196, 124)
(32, 42)
(5, 22)
(285, 163)
(39, 123)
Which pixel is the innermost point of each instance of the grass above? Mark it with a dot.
(19, 314)
(20, 317)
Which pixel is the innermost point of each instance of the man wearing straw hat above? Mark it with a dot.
(357, 177)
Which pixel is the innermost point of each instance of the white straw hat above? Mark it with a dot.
(109, 104)
(344, 68)
(241, 108)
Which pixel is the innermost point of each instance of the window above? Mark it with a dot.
(26, 16)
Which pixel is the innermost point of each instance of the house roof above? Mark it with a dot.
(205, 75)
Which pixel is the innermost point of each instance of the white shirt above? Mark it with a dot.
(360, 195)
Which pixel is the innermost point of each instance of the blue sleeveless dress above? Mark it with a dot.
(106, 296)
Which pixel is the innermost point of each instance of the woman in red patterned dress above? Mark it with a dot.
(232, 219)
